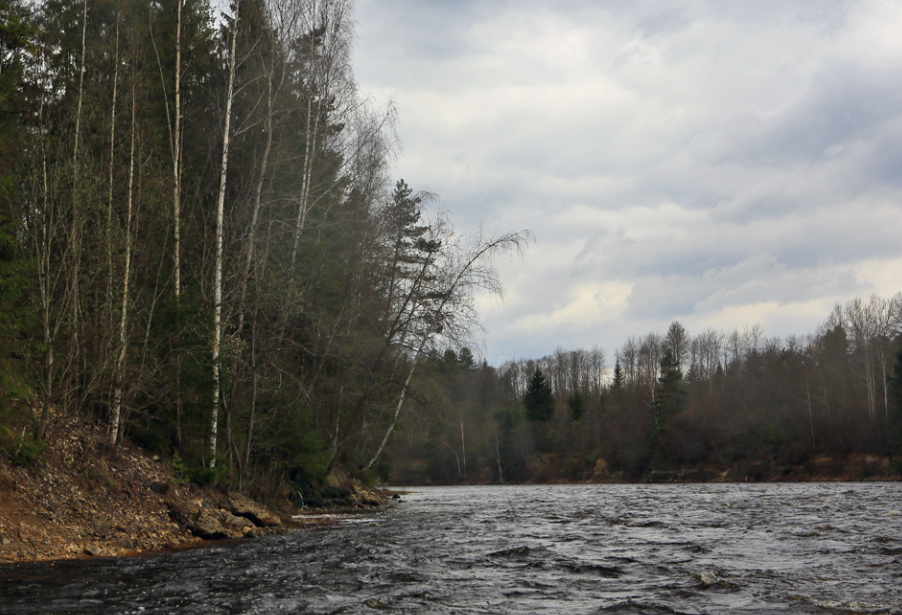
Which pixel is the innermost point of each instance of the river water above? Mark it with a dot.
(705, 548)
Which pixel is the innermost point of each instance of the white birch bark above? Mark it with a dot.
(76, 187)
(44, 241)
(461, 279)
(217, 275)
(177, 158)
(126, 276)
(109, 210)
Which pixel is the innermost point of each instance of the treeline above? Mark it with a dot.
(200, 246)
(672, 401)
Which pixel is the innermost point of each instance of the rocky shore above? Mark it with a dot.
(82, 499)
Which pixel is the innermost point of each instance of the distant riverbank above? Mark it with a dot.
(565, 469)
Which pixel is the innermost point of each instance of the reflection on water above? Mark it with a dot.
(787, 548)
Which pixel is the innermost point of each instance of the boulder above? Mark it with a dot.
(207, 526)
(243, 506)
(601, 470)
(367, 497)
(240, 525)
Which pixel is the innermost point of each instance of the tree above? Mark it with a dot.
(219, 254)
(577, 405)
(465, 358)
(677, 340)
(441, 302)
(670, 395)
(895, 386)
(618, 379)
(538, 400)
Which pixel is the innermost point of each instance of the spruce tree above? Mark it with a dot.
(538, 400)
(618, 376)
(577, 405)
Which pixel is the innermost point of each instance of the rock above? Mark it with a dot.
(243, 506)
(92, 550)
(206, 525)
(708, 578)
(233, 522)
(6, 542)
(366, 497)
(601, 470)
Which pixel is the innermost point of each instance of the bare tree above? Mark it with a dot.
(459, 272)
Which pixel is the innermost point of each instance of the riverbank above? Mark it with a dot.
(553, 468)
(83, 499)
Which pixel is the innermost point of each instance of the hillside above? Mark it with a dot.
(83, 499)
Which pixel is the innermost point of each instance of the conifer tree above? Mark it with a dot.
(577, 405)
(537, 400)
(618, 376)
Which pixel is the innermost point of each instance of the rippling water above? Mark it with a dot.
(709, 548)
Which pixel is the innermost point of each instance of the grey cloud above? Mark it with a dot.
(844, 103)
(746, 153)
(761, 278)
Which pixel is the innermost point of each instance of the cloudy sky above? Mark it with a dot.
(720, 163)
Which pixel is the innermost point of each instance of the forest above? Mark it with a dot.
(203, 250)
(200, 246)
(673, 404)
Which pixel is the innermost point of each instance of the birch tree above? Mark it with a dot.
(219, 255)
(445, 304)
(122, 352)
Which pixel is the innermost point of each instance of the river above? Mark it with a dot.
(701, 548)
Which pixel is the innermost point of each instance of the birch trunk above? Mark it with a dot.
(394, 420)
(304, 199)
(498, 458)
(463, 445)
(109, 210)
(177, 158)
(75, 240)
(217, 275)
(44, 241)
(126, 275)
(810, 411)
(465, 275)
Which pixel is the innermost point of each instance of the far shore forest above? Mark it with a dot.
(203, 250)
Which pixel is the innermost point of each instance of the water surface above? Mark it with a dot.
(708, 548)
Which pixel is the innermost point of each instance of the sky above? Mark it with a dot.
(719, 163)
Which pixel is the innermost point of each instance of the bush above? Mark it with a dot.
(24, 452)
(200, 474)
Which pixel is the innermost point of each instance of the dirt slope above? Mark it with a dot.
(83, 499)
